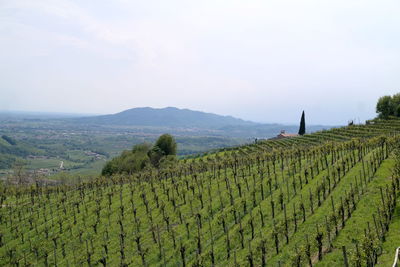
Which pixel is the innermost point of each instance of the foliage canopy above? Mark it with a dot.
(142, 156)
(388, 106)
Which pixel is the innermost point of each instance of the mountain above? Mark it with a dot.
(167, 117)
(187, 122)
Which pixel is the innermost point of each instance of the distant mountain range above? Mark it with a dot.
(173, 118)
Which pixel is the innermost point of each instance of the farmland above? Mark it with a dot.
(41, 144)
(320, 199)
(42, 141)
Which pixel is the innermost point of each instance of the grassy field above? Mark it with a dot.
(288, 202)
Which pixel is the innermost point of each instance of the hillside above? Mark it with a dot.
(291, 202)
(10, 151)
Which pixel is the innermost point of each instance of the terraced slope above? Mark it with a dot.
(294, 202)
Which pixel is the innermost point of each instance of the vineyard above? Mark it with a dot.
(324, 199)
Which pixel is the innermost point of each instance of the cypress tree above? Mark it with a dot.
(302, 129)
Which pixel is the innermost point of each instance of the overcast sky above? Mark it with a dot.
(263, 60)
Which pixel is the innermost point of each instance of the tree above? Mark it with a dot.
(396, 105)
(111, 167)
(302, 129)
(384, 107)
(167, 144)
(134, 162)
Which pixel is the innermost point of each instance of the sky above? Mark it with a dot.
(264, 61)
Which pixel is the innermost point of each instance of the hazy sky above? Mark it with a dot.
(259, 60)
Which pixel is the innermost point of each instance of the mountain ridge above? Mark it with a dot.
(178, 121)
(167, 117)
